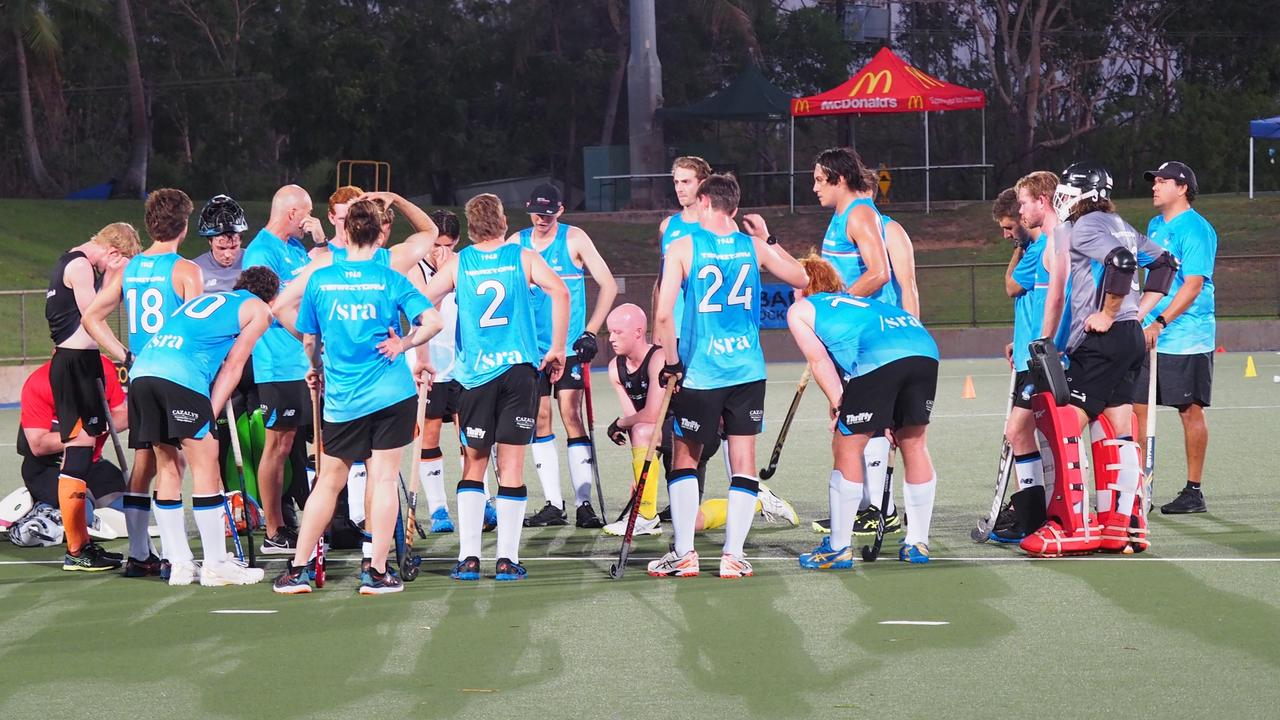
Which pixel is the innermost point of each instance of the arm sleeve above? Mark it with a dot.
(307, 321)
(411, 302)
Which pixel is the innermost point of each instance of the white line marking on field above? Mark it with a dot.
(243, 612)
(927, 623)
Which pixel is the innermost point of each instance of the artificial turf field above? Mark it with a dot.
(1189, 629)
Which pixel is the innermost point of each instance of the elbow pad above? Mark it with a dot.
(1161, 272)
(1117, 275)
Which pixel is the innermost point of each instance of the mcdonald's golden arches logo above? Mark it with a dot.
(871, 80)
(801, 106)
(915, 102)
(928, 81)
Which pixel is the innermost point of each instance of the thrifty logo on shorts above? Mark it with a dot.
(852, 419)
(184, 416)
(688, 424)
(477, 433)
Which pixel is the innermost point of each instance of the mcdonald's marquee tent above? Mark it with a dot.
(888, 84)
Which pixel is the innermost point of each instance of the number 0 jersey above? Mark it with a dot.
(195, 340)
(149, 297)
(557, 256)
(862, 334)
(495, 315)
(720, 340)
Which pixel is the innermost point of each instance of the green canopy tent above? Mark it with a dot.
(750, 97)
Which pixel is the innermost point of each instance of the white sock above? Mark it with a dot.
(1127, 477)
(470, 518)
(211, 521)
(919, 509)
(511, 503)
(834, 483)
(580, 462)
(682, 491)
(431, 474)
(1029, 470)
(173, 529)
(875, 458)
(743, 490)
(850, 492)
(366, 545)
(137, 515)
(357, 477)
(547, 462)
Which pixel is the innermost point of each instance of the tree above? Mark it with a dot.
(133, 181)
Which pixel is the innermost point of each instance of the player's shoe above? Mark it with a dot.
(282, 543)
(376, 583)
(166, 569)
(665, 514)
(490, 517)
(865, 523)
(229, 572)
(775, 509)
(548, 516)
(466, 569)
(1189, 500)
(1007, 530)
(507, 570)
(675, 565)
(440, 520)
(142, 568)
(105, 553)
(824, 557)
(89, 559)
(587, 518)
(293, 581)
(183, 572)
(821, 527)
(644, 526)
(734, 567)
(917, 554)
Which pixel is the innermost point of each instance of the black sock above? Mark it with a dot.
(1193, 486)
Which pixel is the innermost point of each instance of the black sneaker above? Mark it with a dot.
(467, 569)
(549, 515)
(166, 569)
(1189, 500)
(821, 527)
(665, 514)
(1007, 519)
(142, 568)
(865, 523)
(505, 570)
(88, 560)
(103, 552)
(282, 543)
(587, 518)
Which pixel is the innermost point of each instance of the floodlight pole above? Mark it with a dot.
(644, 93)
(1250, 167)
(926, 161)
(984, 151)
(791, 182)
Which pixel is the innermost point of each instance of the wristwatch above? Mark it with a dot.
(772, 240)
(1163, 323)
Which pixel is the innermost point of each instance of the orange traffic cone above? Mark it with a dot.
(968, 392)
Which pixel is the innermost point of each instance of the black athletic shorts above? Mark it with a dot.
(1181, 380)
(105, 481)
(698, 413)
(1103, 371)
(76, 379)
(1021, 380)
(442, 400)
(899, 394)
(285, 405)
(161, 411)
(502, 410)
(387, 429)
(570, 379)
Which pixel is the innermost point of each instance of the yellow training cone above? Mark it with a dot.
(1249, 369)
(968, 393)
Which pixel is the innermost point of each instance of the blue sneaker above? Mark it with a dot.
(824, 557)
(440, 521)
(467, 569)
(918, 553)
(490, 516)
(293, 581)
(1006, 537)
(376, 583)
(508, 570)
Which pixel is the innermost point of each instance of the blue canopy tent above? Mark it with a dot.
(1265, 129)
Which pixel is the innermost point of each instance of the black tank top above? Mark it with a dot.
(636, 384)
(60, 307)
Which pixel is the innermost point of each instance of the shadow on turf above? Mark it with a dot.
(1247, 540)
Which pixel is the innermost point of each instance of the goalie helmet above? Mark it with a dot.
(38, 528)
(1079, 182)
(221, 216)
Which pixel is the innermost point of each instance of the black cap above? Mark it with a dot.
(1173, 170)
(544, 200)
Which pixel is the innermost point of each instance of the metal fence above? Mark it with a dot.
(1246, 286)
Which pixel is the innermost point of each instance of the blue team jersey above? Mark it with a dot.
(1028, 308)
(893, 276)
(278, 356)
(862, 334)
(149, 296)
(720, 342)
(381, 256)
(195, 340)
(495, 315)
(844, 254)
(556, 254)
(677, 227)
(1191, 239)
(350, 305)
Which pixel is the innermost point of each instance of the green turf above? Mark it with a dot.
(1187, 630)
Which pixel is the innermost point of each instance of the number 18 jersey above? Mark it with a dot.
(495, 315)
(194, 342)
(149, 297)
(720, 337)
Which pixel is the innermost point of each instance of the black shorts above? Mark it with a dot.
(75, 377)
(502, 410)
(1181, 380)
(1021, 380)
(899, 394)
(1103, 371)
(387, 429)
(698, 413)
(285, 405)
(105, 481)
(161, 411)
(570, 379)
(442, 401)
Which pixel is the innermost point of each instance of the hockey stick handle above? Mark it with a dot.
(111, 428)
(586, 390)
(419, 423)
(234, 432)
(767, 472)
(1151, 396)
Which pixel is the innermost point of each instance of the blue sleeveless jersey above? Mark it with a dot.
(278, 356)
(195, 340)
(495, 315)
(149, 297)
(677, 227)
(844, 254)
(893, 276)
(381, 256)
(556, 255)
(862, 334)
(720, 342)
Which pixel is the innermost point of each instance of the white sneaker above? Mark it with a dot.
(183, 572)
(229, 572)
(774, 509)
(675, 565)
(732, 566)
(643, 527)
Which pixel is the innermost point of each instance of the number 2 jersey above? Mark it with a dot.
(195, 340)
(863, 334)
(495, 315)
(720, 336)
(149, 296)
(557, 256)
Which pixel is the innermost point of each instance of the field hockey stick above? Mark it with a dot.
(316, 399)
(411, 498)
(1149, 461)
(617, 569)
(591, 433)
(411, 501)
(870, 554)
(982, 532)
(111, 428)
(244, 491)
(767, 472)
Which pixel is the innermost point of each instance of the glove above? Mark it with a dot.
(672, 370)
(585, 347)
(617, 434)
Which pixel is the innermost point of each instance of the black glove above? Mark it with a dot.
(672, 370)
(585, 347)
(617, 434)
